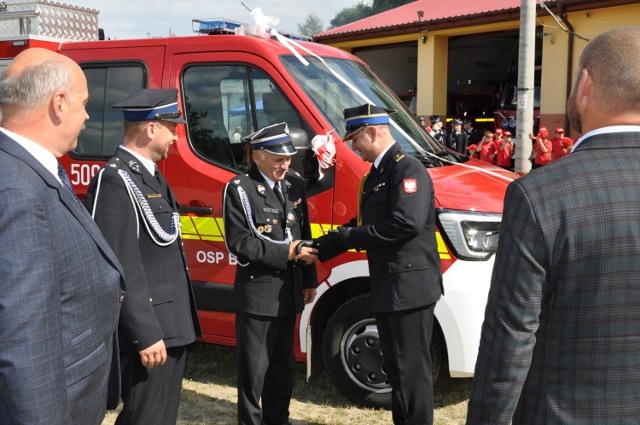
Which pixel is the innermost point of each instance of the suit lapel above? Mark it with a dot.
(377, 174)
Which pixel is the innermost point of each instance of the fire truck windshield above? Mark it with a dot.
(334, 84)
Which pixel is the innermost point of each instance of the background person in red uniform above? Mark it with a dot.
(487, 148)
(542, 147)
(505, 150)
(561, 145)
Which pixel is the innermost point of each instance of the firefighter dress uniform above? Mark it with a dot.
(396, 226)
(268, 290)
(138, 215)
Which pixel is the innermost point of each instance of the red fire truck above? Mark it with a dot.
(227, 81)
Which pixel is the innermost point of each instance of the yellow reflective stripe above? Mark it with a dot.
(187, 228)
(212, 229)
(202, 228)
(220, 223)
(442, 247)
(208, 229)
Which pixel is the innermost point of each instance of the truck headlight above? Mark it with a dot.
(471, 235)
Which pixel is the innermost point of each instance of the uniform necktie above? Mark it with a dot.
(161, 180)
(276, 190)
(64, 178)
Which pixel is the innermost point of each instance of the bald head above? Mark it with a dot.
(613, 62)
(32, 77)
(607, 86)
(42, 97)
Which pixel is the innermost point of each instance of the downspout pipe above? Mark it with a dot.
(569, 77)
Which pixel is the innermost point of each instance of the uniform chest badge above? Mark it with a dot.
(267, 228)
(379, 186)
(291, 217)
(262, 190)
(410, 185)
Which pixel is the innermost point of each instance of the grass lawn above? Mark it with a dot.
(209, 396)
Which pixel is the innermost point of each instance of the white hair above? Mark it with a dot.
(35, 85)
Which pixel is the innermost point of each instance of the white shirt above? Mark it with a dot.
(146, 162)
(40, 153)
(270, 182)
(610, 129)
(376, 163)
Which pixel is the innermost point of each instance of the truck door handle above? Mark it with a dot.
(184, 209)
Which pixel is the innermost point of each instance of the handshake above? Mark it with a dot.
(325, 247)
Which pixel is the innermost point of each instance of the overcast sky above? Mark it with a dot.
(122, 19)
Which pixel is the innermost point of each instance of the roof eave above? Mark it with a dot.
(464, 21)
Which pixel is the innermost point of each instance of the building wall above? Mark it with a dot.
(555, 60)
(433, 57)
(401, 76)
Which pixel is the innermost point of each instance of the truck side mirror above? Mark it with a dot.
(304, 161)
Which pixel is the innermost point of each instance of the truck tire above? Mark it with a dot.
(353, 358)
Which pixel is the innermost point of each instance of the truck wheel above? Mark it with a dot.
(353, 358)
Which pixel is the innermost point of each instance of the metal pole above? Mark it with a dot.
(526, 65)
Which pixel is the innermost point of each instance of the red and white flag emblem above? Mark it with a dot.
(410, 185)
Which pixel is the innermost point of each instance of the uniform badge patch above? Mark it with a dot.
(410, 185)
(379, 186)
(291, 217)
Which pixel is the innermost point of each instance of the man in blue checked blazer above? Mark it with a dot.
(561, 338)
(59, 280)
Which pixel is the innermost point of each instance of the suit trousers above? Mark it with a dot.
(264, 347)
(151, 396)
(405, 337)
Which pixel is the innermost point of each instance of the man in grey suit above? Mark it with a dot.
(561, 333)
(59, 280)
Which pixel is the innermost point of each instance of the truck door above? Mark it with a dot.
(112, 74)
(231, 95)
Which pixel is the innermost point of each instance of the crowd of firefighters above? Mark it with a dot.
(498, 147)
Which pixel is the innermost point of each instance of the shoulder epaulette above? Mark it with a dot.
(399, 157)
(293, 173)
(239, 179)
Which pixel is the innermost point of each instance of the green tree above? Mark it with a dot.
(362, 10)
(312, 25)
(351, 14)
(380, 6)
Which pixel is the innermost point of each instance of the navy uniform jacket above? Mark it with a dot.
(159, 302)
(266, 282)
(59, 300)
(458, 142)
(398, 232)
(561, 332)
(473, 136)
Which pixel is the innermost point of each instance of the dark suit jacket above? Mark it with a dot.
(159, 303)
(59, 299)
(398, 232)
(266, 282)
(562, 327)
(458, 142)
